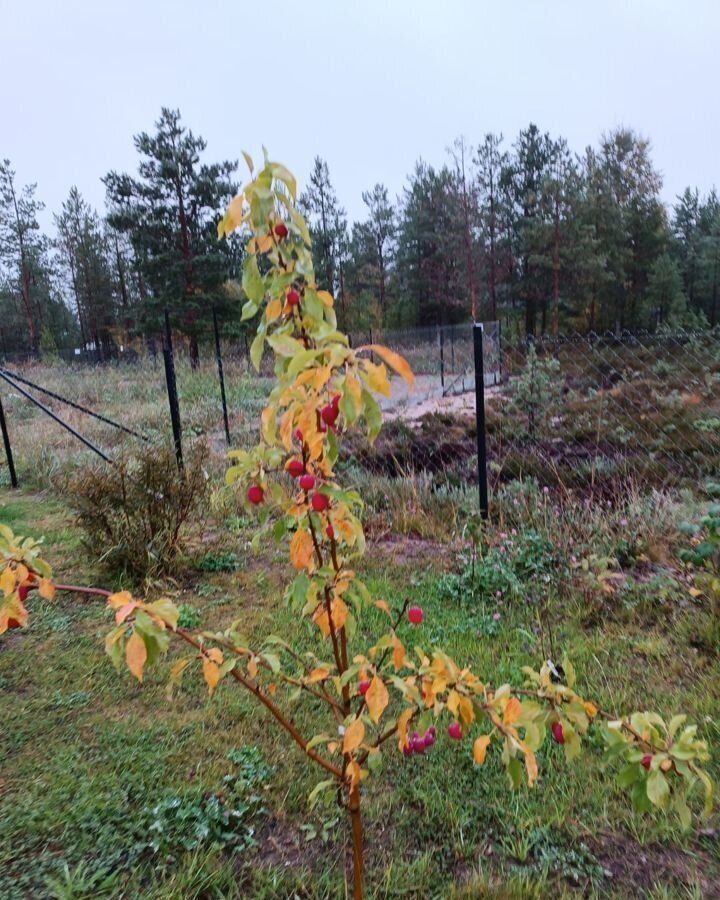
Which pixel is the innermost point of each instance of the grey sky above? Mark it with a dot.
(370, 86)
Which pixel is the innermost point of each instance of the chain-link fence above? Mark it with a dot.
(599, 410)
(578, 411)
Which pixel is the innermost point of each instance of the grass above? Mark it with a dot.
(88, 753)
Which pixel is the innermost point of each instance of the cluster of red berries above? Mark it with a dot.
(23, 592)
(418, 743)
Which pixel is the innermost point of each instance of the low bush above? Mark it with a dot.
(134, 513)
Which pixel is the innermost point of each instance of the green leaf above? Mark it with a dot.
(288, 179)
(249, 309)
(285, 345)
(515, 772)
(629, 775)
(318, 789)
(252, 280)
(658, 790)
(248, 160)
(256, 350)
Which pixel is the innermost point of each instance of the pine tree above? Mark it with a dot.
(170, 213)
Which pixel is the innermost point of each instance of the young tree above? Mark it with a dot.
(22, 247)
(490, 162)
(380, 228)
(169, 213)
(666, 303)
(84, 258)
(374, 696)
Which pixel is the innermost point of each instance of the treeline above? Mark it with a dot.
(523, 231)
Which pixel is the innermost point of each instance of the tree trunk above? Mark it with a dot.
(194, 353)
(556, 270)
(357, 843)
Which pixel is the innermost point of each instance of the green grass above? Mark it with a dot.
(86, 751)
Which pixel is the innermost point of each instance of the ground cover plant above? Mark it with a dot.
(323, 387)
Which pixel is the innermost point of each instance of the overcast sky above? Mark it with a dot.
(370, 86)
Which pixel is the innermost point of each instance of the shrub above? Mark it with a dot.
(134, 513)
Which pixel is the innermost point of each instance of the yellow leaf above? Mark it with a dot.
(530, 765)
(273, 309)
(234, 213)
(354, 735)
(136, 655)
(211, 674)
(118, 600)
(402, 723)
(467, 711)
(590, 709)
(46, 589)
(695, 592)
(395, 361)
(354, 773)
(354, 389)
(377, 378)
(377, 698)
(339, 613)
(216, 655)
(252, 667)
(301, 549)
(319, 674)
(453, 699)
(125, 611)
(7, 581)
(480, 749)
(398, 653)
(512, 711)
(264, 243)
(326, 297)
(381, 604)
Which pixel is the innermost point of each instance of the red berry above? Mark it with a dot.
(281, 230)
(293, 298)
(431, 730)
(330, 532)
(407, 750)
(329, 414)
(455, 730)
(646, 761)
(415, 615)
(13, 623)
(307, 482)
(295, 468)
(298, 435)
(418, 745)
(335, 401)
(319, 502)
(255, 494)
(363, 688)
(429, 738)
(23, 591)
(557, 732)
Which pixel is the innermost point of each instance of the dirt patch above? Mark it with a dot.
(636, 869)
(406, 549)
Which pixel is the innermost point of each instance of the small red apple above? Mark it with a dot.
(429, 738)
(281, 230)
(415, 615)
(646, 761)
(293, 298)
(329, 414)
(23, 592)
(319, 502)
(13, 623)
(330, 532)
(418, 744)
(307, 482)
(455, 730)
(298, 435)
(363, 688)
(295, 468)
(407, 749)
(255, 494)
(557, 733)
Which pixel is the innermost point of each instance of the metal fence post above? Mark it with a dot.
(452, 351)
(8, 449)
(171, 383)
(221, 377)
(442, 359)
(480, 417)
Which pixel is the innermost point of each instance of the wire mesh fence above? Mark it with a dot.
(597, 410)
(578, 411)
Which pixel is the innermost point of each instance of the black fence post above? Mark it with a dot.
(480, 417)
(372, 355)
(452, 351)
(171, 383)
(442, 359)
(8, 448)
(218, 354)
